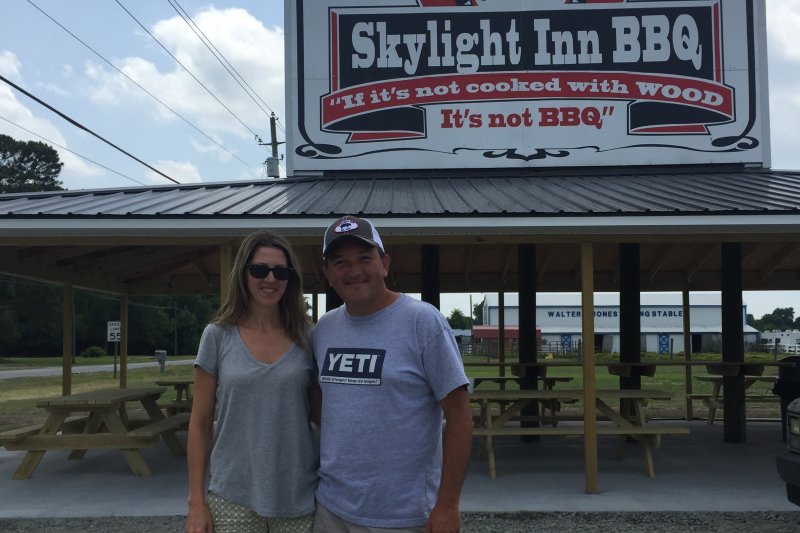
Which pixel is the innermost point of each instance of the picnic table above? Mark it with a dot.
(96, 419)
(183, 394)
(634, 426)
(715, 401)
(548, 382)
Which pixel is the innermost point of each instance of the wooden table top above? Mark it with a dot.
(100, 397)
(170, 382)
(719, 378)
(563, 394)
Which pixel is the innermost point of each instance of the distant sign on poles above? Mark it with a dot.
(114, 328)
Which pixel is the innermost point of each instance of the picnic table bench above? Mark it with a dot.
(635, 426)
(548, 382)
(183, 394)
(715, 400)
(92, 420)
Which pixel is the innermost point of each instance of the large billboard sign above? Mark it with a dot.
(438, 84)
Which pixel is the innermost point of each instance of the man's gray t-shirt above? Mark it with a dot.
(264, 454)
(382, 377)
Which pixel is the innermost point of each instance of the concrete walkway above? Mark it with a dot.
(697, 472)
(56, 370)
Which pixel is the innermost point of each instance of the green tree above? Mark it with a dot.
(30, 318)
(780, 319)
(477, 314)
(458, 320)
(28, 166)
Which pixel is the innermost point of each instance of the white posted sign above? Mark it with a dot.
(114, 328)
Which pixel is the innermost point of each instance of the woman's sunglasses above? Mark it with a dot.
(262, 271)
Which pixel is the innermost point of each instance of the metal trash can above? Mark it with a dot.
(161, 357)
(787, 386)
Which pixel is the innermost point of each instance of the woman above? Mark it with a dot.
(254, 372)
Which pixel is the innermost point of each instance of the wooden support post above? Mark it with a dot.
(332, 298)
(501, 331)
(687, 353)
(429, 274)
(225, 267)
(733, 342)
(123, 341)
(526, 276)
(67, 341)
(630, 322)
(589, 387)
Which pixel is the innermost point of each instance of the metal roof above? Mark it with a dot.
(178, 239)
(546, 194)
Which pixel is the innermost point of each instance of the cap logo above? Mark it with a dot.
(345, 226)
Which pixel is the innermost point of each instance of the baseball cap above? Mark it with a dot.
(350, 226)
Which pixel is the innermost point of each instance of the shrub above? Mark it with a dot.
(93, 351)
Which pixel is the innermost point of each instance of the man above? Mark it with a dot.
(388, 367)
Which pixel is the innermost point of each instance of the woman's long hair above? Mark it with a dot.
(292, 305)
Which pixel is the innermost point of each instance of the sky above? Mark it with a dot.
(80, 56)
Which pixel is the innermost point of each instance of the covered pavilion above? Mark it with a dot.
(717, 228)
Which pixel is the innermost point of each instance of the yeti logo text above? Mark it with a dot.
(352, 366)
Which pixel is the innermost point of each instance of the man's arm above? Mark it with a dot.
(457, 443)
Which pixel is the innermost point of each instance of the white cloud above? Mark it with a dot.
(9, 64)
(256, 53)
(20, 118)
(108, 88)
(210, 148)
(783, 21)
(181, 171)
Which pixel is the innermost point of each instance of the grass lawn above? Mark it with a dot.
(667, 378)
(18, 396)
(13, 363)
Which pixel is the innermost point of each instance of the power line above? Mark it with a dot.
(186, 69)
(218, 55)
(221, 55)
(84, 128)
(70, 151)
(136, 83)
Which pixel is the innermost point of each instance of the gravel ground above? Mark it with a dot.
(752, 522)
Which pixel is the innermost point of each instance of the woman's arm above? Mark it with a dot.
(201, 427)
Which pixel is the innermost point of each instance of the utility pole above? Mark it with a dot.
(273, 162)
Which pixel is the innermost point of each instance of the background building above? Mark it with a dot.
(558, 321)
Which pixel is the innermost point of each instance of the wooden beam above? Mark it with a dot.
(664, 255)
(468, 262)
(203, 271)
(777, 259)
(542, 268)
(508, 263)
(32, 251)
(91, 257)
(163, 269)
(700, 259)
(137, 259)
(30, 269)
(751, 250)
